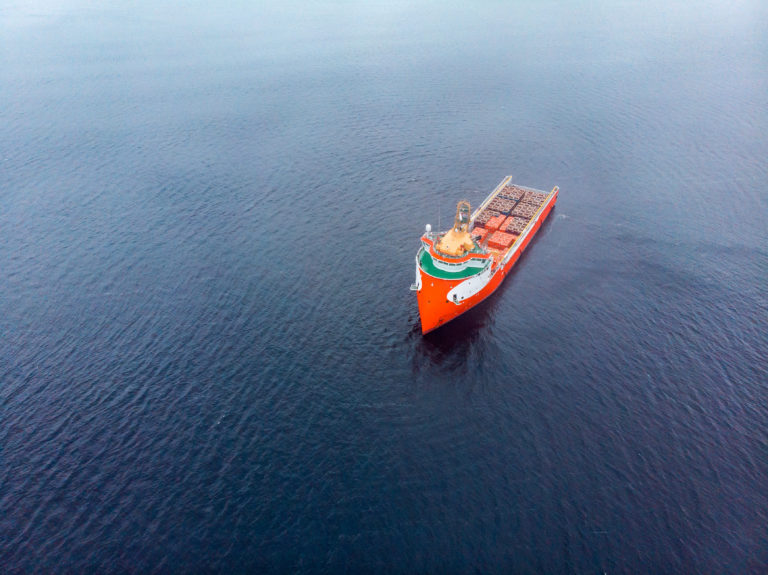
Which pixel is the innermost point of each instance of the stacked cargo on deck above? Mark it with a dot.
(524, 210)
(533, 198)
(506, 216)
(502, 205)
(495, 222)
(501, 240)
(486, 215)
(515, 225)
(511, 192)
(479, 234)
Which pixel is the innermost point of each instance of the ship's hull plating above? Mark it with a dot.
(435, 307)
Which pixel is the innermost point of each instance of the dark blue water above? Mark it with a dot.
(209, 356)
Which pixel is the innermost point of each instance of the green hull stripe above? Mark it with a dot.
(426, 264)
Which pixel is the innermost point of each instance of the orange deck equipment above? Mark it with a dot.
(479, 234)
(501, 240)
(495, 222)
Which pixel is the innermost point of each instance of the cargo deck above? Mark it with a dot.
(506, 216)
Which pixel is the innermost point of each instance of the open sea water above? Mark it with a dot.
(210, 359)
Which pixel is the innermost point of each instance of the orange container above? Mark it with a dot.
(479, 234)
(495, 222)
(501, 240)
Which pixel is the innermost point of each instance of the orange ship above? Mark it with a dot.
(457, 269)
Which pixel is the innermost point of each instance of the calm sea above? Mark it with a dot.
(210, 359)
